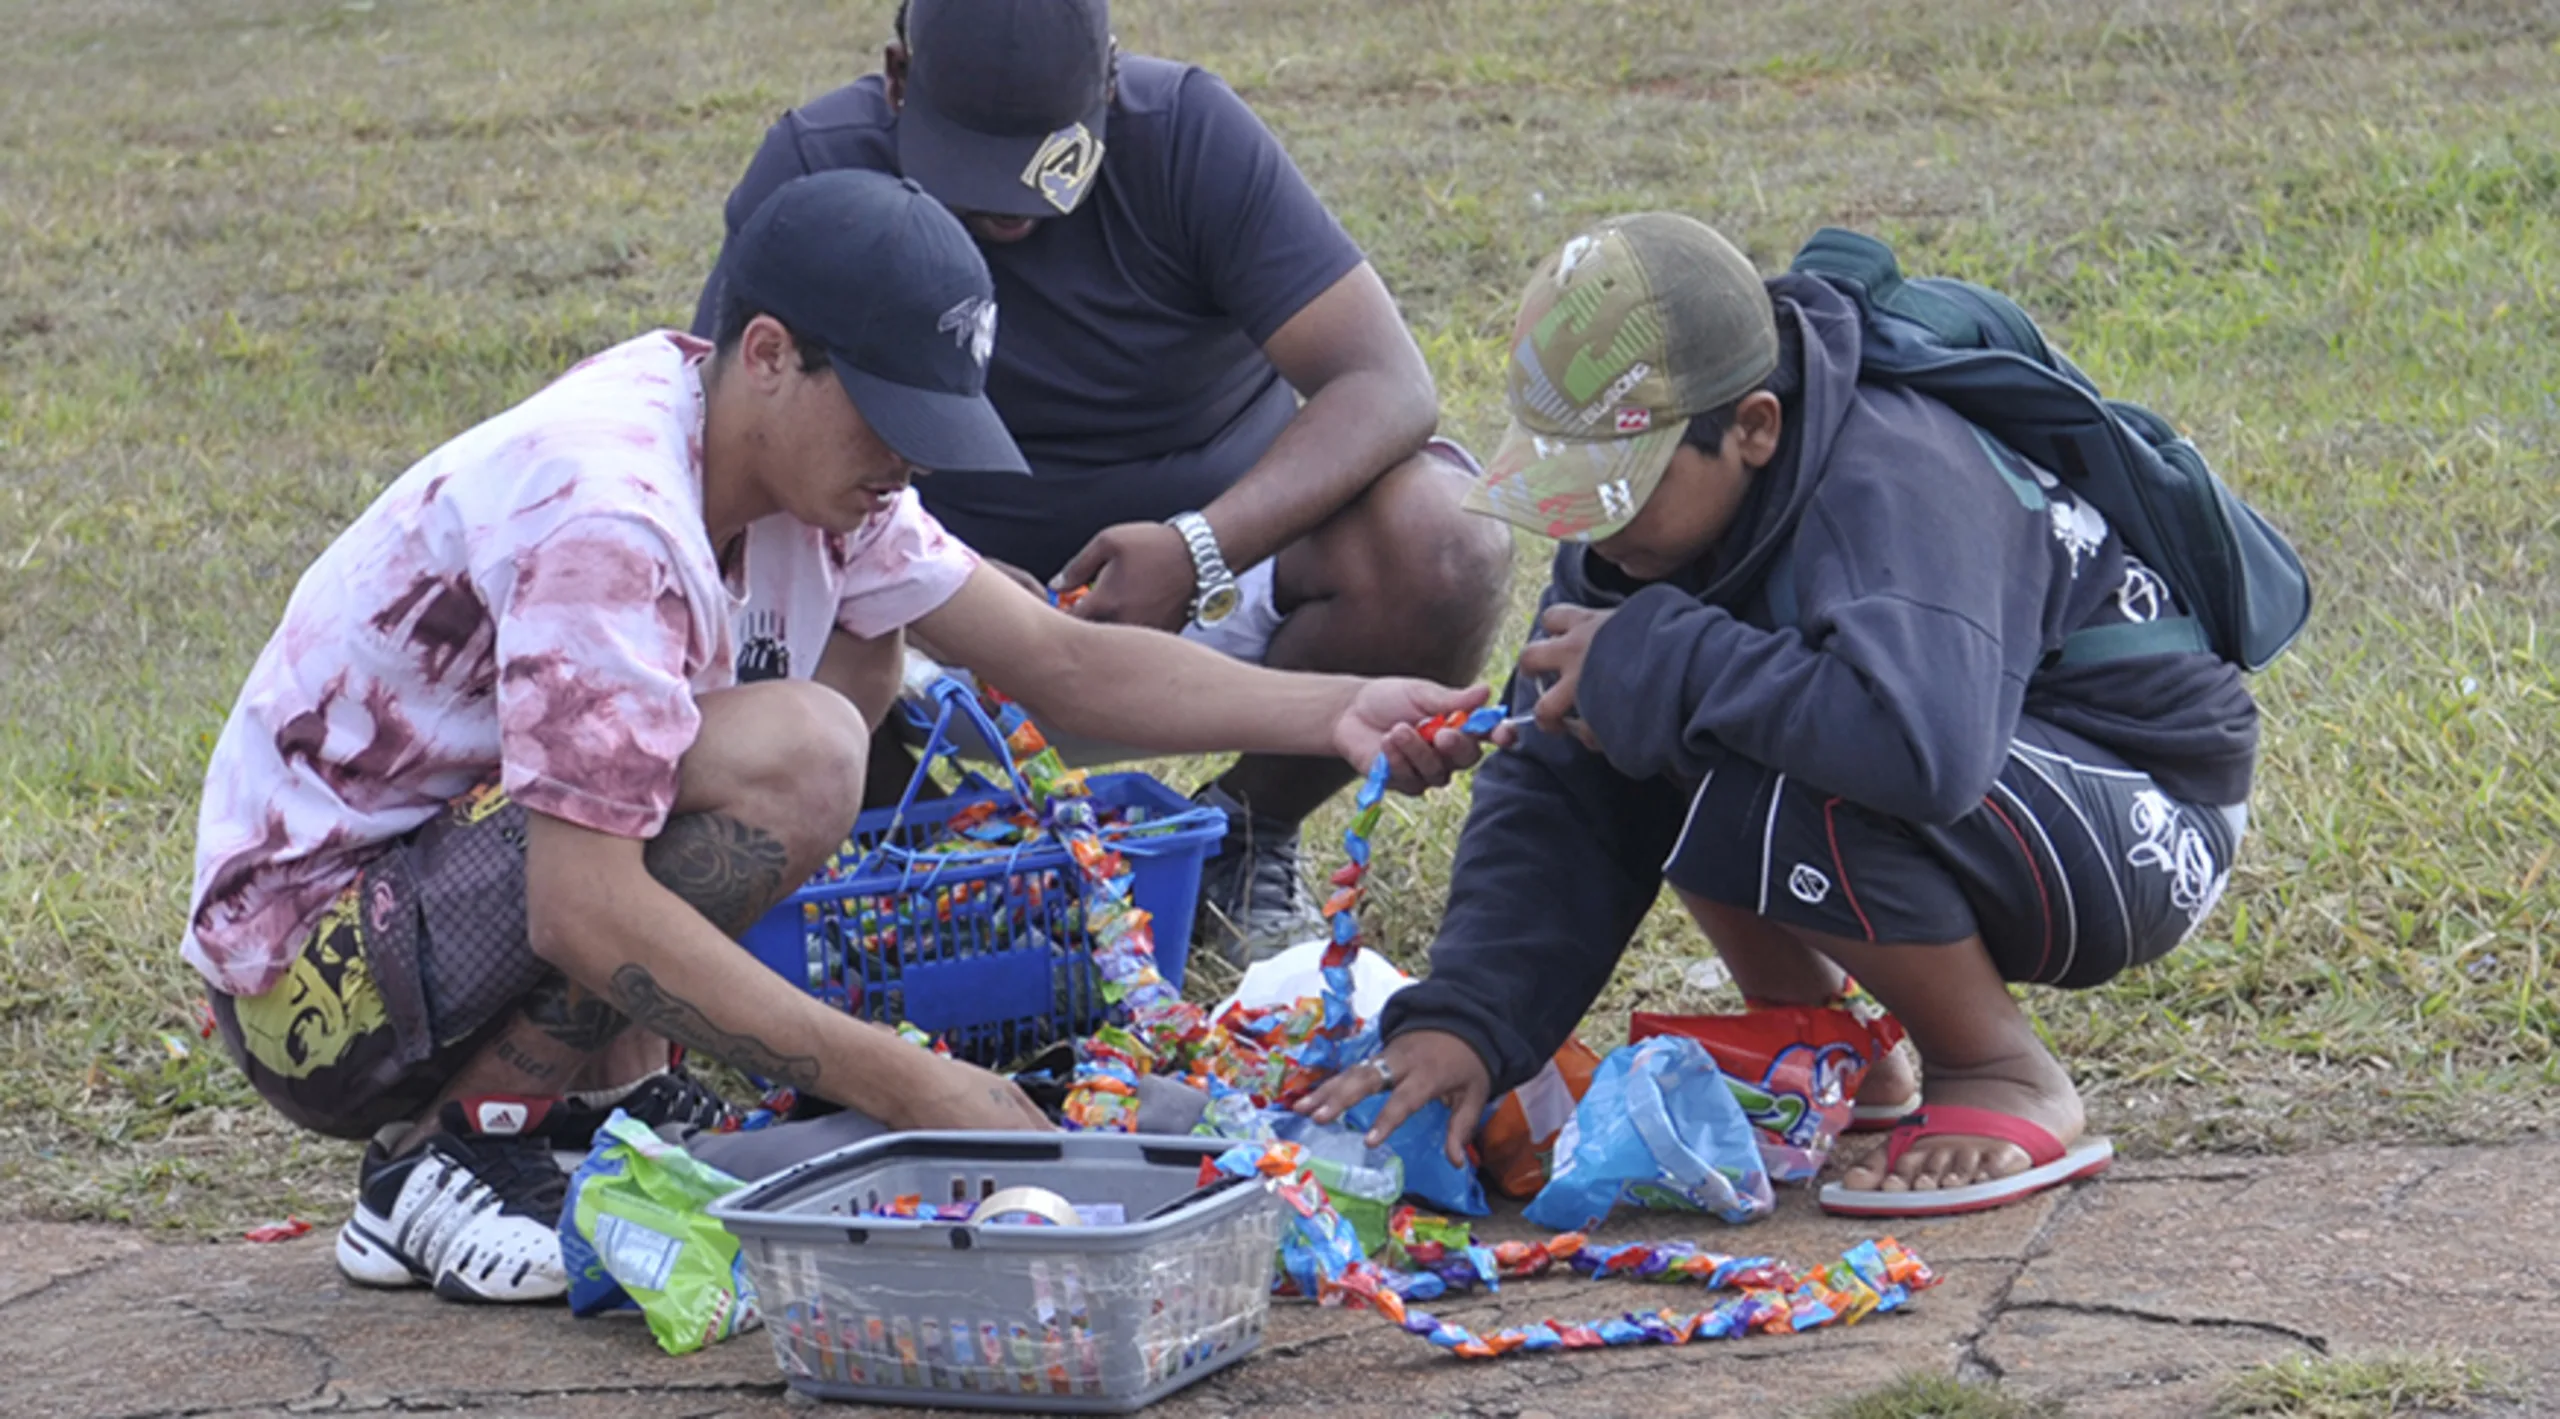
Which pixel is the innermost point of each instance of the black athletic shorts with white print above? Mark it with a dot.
(2075, 867)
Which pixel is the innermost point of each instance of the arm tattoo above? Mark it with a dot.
(585, 1023)
(729, 871)
(649, 1004)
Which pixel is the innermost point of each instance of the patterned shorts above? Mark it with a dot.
(2074, 867)
(402, 980)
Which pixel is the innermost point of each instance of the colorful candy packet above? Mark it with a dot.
(1332, 1048)
(1795, 1069)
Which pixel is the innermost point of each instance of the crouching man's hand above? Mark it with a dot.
(1381, 718)
(1554, 659)
(1417, 1066)
(1140, 574)
(948, 1094)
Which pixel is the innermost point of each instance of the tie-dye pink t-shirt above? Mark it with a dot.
(539, 600)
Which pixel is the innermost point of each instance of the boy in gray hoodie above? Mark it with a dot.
(1802, 658)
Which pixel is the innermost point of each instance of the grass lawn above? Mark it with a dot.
(256, 256)
(2365, 1386)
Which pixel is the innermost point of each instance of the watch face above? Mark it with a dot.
(1217, 604)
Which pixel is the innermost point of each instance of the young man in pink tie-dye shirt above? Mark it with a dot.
(493, 804)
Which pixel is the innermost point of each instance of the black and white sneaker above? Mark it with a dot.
(473, 1212)
(679, 1104)
(1254, 901)
(674, 1102)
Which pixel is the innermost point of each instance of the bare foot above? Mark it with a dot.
(2031, 1087)
(1891, 1081)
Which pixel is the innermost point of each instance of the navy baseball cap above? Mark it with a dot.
(886, 278)
(1005, 101)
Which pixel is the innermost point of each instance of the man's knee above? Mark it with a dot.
(1462, 561)
(789, 754)
(813, 759)
(1423, 557)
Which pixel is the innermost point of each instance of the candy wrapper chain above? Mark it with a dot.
(1320, 1257)
(1247, 1060)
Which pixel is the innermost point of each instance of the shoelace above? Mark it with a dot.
(678, 1099)
(519, 1171)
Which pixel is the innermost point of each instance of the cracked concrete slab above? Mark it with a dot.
(156, 1330)
(2173, 1275)
(2134, 1296)
(2104, 1365)
(37, 1255)
(266, 1327)
(244, 1330)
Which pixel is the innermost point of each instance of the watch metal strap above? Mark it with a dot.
(1208, 564)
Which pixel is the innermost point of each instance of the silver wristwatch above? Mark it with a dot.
(1214, 596)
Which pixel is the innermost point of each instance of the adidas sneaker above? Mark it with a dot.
(473, 1212)
(676, 1103)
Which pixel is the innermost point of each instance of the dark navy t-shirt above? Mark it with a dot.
(1128, 360)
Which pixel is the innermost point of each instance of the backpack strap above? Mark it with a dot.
(2168, 635)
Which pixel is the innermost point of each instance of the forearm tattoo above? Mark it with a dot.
(729, 871)
(653, 1008)
(582, 1021)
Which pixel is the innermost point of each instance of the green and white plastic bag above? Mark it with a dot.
(634, 1232)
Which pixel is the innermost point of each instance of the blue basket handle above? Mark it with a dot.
(954, 698)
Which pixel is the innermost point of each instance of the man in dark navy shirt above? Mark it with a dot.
(1171, 290)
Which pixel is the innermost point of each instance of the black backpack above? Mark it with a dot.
(1975, 351)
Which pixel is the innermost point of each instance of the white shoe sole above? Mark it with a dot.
(367, 1260)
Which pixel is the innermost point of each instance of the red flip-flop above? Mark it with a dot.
(2051, 1165)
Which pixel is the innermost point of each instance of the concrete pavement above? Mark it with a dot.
(2135, 1295)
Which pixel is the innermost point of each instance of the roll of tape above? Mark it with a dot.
(1035, 1201)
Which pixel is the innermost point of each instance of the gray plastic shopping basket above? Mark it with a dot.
(1086, 1319)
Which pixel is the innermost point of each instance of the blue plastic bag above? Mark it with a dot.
(1659, 1127)
(1428, 1174)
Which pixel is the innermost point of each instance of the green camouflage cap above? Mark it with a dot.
(1637, 325)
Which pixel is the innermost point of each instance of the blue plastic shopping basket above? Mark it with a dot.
(983, 946)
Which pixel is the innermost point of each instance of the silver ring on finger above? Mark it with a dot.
(1386, 1071)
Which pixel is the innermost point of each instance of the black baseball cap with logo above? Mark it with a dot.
(1005, 102)
(886, 278)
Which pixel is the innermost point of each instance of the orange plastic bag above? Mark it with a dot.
(1519, 1135)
